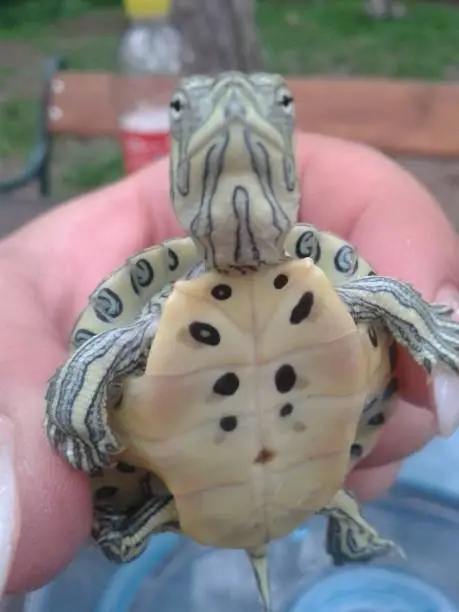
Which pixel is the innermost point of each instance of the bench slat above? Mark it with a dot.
(399, 117)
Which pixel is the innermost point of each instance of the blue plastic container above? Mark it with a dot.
(421, 513)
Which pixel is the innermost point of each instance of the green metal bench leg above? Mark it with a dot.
(37, 166)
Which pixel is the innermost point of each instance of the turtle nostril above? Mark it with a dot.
(264, 456)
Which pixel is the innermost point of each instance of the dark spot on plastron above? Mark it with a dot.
(227, 384)
(369, 405)
(228, 423)
(125, 468)
(119, 400)
(377, 419)
(427, 366)
(390, 389)
(280, 281)
(373, 336)
(302, 309)
(285, 378)
(371, 273)
(221, 292)
(204, 333)
(356, 451)
(393, 355)
(286, 410)
(264, 456)
(106, 493)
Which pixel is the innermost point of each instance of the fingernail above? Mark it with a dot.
(445, 382)
(9, 506)
(445, 386)
(449, 296)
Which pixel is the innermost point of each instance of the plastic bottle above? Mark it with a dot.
(150, 47)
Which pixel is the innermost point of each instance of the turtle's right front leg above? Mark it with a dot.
(123, 536)
(350, 538)
(78, 395)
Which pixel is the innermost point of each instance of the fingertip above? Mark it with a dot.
(56, 521)
(54, 500)
(372, 483)
(367, 198)
(407, 430)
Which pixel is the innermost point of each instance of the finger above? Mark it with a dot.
(84, 240)
(392, 220)
(54, 500)
(346, 188)
(406, 432)
(372, 483)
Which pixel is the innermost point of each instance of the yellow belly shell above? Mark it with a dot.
(250, 402)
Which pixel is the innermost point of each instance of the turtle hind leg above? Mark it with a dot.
(259, 560)
(350, 538)
(124, 536)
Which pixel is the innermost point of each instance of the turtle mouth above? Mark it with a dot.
(264, 456)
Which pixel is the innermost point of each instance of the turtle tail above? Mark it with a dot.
(259, 561)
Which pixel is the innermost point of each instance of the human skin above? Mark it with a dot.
(49, 267)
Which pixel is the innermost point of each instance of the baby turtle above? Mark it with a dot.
(223, 385)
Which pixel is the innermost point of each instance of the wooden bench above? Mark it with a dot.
(398, 117)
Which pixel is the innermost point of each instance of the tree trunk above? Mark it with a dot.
(222, 35)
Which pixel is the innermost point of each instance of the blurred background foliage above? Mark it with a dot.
(13, 12)
(312, 37)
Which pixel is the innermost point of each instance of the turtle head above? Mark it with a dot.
(233, 174)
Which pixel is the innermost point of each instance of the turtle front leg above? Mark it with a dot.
(427, 331)
(350, 538)
(124, 536)
(81, 392)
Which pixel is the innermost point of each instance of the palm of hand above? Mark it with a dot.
(49, 268)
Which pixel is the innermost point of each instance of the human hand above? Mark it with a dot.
(48, 269)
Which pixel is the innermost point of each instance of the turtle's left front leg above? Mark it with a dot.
(427, 331)
(350, 538)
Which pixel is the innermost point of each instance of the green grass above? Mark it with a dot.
(18, 120)
(335, 36)
(316, 37)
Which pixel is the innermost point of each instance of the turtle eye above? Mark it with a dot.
(177, 104)
(285, 100)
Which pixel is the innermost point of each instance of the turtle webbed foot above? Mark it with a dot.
(350, 538)
(349, 542)
(123, 537)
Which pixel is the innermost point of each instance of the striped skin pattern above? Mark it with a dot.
(234, 190)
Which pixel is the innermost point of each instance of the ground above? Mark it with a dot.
(299, 37)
